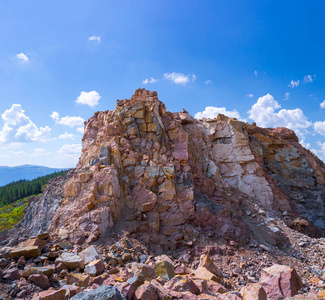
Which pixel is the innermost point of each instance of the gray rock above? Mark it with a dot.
(90, 254)
(104, 292)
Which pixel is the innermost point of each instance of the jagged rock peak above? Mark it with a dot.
(161, 177)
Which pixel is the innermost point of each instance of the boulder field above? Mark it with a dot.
(165, 206)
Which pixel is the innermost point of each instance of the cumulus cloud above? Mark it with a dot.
(19, 128)
(151, 80)
(287, 96)
(179, 78)
(95, 38)
(319, 127)
(309, 79)
(66, 136)
(207, 82)
(294, 83)
(263, 112)
(68, 121)
(55, 115)
(250, 95)
(23, 57)
(212, 112)
(88, 98)
(322, 105)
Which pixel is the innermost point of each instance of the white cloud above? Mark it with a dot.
(94, 38)
(88, 98)
(322, 105)
(68, 121)
(19, 128)
(263, 112)
(319, 127)
(250, 95)
(294, 83)
(23, 57)
(212, 112)
(207, 82)
(151, 80)
(255, 73)
(309, 79)
(179, 78)
(66, 135)
(55, 115)
(70, 149)
(287, 96)
(80, 130)
(71, 121)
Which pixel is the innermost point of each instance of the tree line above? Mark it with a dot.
(24, 188)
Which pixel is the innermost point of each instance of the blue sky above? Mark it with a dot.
(61, 61)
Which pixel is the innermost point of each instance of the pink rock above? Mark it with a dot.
(146, 292)
(125, 289)
(50, 295)
(182, 284)
(280, 281)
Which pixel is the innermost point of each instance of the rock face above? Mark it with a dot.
(159, 176)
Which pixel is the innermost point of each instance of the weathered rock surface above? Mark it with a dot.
(280, 281)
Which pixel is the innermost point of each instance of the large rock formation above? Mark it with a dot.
(163, 177)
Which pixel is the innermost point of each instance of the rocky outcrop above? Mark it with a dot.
(163, 177)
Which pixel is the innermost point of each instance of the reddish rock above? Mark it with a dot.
(11, 274)
(74, 290)
(146, 292)
(40, 280)
(182, 284)
(27, 252)
(78, 279)
(126, 289)
(95, 268)
(280, 281)
(50, 295)
(202, 285)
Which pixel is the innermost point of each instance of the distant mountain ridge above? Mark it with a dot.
(28, 172)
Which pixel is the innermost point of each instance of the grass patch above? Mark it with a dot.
(11, 214)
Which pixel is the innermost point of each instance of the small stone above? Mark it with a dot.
(90, 254)
(165, 270)
(104, 292)
(95, 268)
(50, 295)
(182, 284)
(71, 261)
(78, 279)
(28, 252)
(280, 281)
(47, 271)
(253, 291)
(40, 280)
(136, 280)
(146, 292)
(11, 274)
